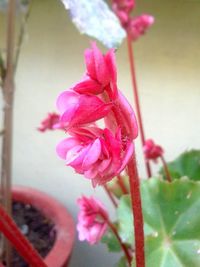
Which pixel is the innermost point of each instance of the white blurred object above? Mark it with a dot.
(95, 19)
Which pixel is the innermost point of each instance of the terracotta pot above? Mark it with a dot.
(65, 231)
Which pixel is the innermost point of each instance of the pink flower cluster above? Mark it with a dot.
(100, 153)
(136, 26)
(51, 122)
(152, 151)
(91, 220)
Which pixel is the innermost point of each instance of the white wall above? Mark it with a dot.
(168, 67)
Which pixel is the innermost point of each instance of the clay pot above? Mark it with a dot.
(65, 231)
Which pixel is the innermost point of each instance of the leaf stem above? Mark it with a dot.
(136, 98)
(122, 185)
(167, 173)
(123, 246)
(137, 212)
(112, 199)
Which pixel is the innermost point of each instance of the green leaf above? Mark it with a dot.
(125, 220)
(111, 241)
(121, 263)
(172, 222)
(187, 164)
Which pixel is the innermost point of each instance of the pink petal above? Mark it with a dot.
(88, 86)
(111, 64)
(93, 154)
(89, 109)
(129, 118)
(128, 153)
(66, 99)
(91, 173)
(75, 155)
(65, 145)
(102, 73)
(90, 63)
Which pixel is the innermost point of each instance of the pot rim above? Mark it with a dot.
(53, 209)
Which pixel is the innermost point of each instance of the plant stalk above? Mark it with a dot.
(137, 212)
(136, 98)
(114, 230)
(8, 91)
(122, 185)
(112, 199)
(22, 245)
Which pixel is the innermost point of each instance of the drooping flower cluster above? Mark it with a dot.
(51, 122)
(152, 151)
(91, 220)
(98, 153)
(134, 26)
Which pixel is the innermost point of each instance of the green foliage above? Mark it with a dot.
(111, 241)
(187, 164)
(172, 222)
(121, 263)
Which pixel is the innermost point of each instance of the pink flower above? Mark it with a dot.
(91, 220)
(101, 69)
(152, 151)
(51, 122)
(79, 109)
(96, 153)
(138, 26)
(125, 5)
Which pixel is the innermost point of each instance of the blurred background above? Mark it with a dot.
(51, 60)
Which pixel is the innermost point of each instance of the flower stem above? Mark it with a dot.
(136, 98)
(123, 246)
(122, 185)
(17, 239)
(137, 212)
(167, 173)
(112, 199)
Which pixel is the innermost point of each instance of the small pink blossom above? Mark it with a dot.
(91, 220)
(134, 26)
(125, 5)
(139, 25)
(152, 151)
(96, 153)
(51, 122)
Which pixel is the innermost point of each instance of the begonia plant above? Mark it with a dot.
(157, 220)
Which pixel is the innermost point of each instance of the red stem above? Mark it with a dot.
(136, 98)
(137, 212)
(114, 230)
(167, 173)
(122, 185)
(112, 199)
(17, 239)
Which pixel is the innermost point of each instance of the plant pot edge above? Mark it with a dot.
(61, 251)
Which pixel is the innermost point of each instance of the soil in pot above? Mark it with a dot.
(38, 229)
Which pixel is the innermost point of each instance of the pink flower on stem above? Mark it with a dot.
(51, 122)
(125, 5)
(139, 25)
(136, 26)
(152, 151)
(91, 220)
(96, 153)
